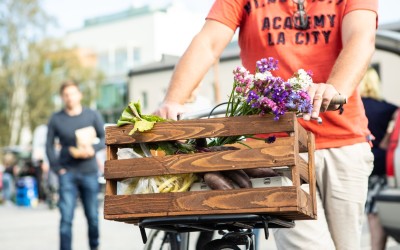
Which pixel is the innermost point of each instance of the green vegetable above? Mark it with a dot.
(132, 114)
(142, 126)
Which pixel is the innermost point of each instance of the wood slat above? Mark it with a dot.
(111, 185)
(201, 128)
(311, 171)
(303, 139)
(303, 170)
(217, 201)
(279, 153)
(293, 215)
(256, 201)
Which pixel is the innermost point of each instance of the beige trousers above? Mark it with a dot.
(342, 185)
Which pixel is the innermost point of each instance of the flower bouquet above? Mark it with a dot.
(264, 93)
(252, 94)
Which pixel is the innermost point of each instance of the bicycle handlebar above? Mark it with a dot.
(338, 100)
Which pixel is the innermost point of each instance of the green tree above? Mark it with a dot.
(32, 68)
(21, 23)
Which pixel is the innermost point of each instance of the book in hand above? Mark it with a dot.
(85, 138)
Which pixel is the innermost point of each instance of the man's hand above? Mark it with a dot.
(82, 152)
(321, 96)
(170, 110)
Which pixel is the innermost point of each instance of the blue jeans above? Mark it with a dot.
(8, 186)
(88, 187)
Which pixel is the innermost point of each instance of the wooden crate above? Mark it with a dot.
(287, 202)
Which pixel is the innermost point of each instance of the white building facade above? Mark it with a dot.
(128, 39)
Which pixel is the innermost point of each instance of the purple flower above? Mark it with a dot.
(264, 93)
(252, 96)
(267, 64)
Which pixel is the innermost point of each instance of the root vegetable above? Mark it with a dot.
(260, 172)
(239, 177)
(215, 180)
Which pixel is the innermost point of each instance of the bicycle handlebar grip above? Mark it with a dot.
(338, 100)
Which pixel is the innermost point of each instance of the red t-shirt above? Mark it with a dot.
(266, 29)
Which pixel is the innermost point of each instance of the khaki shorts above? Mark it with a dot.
(342, 185)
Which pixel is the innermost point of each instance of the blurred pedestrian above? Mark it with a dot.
(49, 179)
(9, 177)
(379, 114)
(76, 128)
(39, 159)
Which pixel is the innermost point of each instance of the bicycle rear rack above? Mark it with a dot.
(231, 222)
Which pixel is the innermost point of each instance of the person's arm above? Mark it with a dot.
(204, 50)
(385, 140)
(50, 150)
(99, 127)
(358, 39)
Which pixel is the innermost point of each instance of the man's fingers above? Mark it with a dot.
(324, 105)
(170, 110)
(306, 117)
(317, 101)
(172, 115)
(320, 96)
(311, 91)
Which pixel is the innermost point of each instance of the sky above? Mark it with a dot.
(72, 13)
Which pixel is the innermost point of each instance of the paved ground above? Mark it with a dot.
(37, 229)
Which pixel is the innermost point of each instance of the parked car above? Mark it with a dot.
(388, 201)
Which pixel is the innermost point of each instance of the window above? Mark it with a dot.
(112, 95)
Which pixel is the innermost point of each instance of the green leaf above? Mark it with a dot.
(132, 115)
(126, 115)
(138, 107)
(168, 147)
(122, 123)
(153, 118)
(134, 110)
(142, 126)
(186, 148)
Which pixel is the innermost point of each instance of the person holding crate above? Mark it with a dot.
(335, 40)
(76, 127)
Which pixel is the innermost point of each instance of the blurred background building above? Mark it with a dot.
(128, 40)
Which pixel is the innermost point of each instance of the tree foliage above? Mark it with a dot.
(32, 68)
(51, 65)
